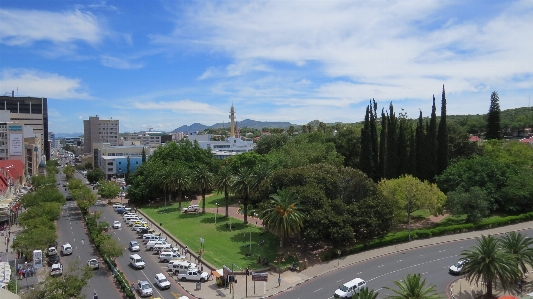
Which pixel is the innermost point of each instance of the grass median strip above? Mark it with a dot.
(222, 245)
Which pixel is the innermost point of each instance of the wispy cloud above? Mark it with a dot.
(24, 27)
(36, 83)
(184, 106)
(118, 63)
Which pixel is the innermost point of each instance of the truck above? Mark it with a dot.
(191, 208)
(56, 270)
(162, 246)
(194, 275)
(151, 244)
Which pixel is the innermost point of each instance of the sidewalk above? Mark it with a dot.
(10, 257)
(294, 279)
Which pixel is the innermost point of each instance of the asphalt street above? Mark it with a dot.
(71, 230)
(432, 262)
(153, 266)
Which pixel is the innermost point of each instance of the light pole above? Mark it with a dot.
(216, 213)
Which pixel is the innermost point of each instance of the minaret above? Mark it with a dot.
(232, 117)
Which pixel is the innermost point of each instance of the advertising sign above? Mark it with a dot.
(259, 276)
(15, 144)
(37, 259)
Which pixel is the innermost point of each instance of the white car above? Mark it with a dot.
(93, 264)
(191, 208)
(135, 227)
(161, 281)
(117, 224)
(144, 289)
(457, 268)
(66, 249)
(151, 245)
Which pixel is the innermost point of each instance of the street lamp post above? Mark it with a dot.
(216, 213)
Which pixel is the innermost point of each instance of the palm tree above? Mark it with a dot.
(487, 262)
(223, 182)
(243, 184)
(520, 247)
(281, 215)
(178, 180)
(365, 293)
(413, 287)
(203, 179)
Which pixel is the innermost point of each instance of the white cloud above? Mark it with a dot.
(41, 84)
(24, 27)
(388, 50)
(119, 63)
(183, 106)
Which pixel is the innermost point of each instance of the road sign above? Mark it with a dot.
(259, 276)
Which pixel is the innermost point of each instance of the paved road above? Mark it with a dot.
(432, 262)
(124, 235)
(71, 230)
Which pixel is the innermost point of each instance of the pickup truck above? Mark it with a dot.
(194, 275)
(152, 244)
(162, 246)
(57, 269)
(192, 208)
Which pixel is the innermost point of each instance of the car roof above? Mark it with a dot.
(160, 276)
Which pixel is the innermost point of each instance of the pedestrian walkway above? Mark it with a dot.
(289, 280)
(233, 211)
(9, 256)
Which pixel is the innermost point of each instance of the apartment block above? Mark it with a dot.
(96, 130)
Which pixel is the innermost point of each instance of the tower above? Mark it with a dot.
(232, 117)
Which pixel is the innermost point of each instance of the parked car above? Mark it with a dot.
(51, 251)
(53, 259)
(152, 244)
(457, 268)
(56, 270)
(161, 281)
(194, 275)
(117, 224)
(93, 264)
(143, 230)
(144, 288)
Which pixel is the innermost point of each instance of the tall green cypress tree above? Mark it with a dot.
(403, 154)
(383, 145)
(374, 140)
(392, 146)
(420, 149)
(431, 144)
(365, 158)
(412, 152)
(442, 137)
(494, 129)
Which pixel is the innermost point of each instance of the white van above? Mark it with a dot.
(350, 288)
(117, 206)
(152, 238)
(166, 256)
(127, 218)
(136, 261)
(181, 267)
(128, 215)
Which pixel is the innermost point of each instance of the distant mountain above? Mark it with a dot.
(247, 123)
(63, 135)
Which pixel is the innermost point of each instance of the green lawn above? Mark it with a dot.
(222, 246)
(211, 201)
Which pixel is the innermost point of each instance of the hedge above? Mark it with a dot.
(403, 236)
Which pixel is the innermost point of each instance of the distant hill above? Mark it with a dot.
(247, 123)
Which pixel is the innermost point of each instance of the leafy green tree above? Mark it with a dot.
(347, 142)
(95, 175)
(365, 293)
(301, 152)
(512, 152)
(88, 166)
(75, 184)
(494, 130)
(223, 181)
(203, 179)
(366, 163)
(48, 210)
(110, 247)
(408, 194)
(517, 194)
(282, 215)
(413, 287)
(243, 184)
(41, 181)
(48, 194)
(267, 143)
(69, 171)
(474, 203)
(521, 247)
(67, 286)
(35, 238)
(487, 262)
(85, 199)
(108, 190)
(143, 159)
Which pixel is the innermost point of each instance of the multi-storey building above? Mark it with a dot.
(32, 112)
(96, 130)
(150, 139)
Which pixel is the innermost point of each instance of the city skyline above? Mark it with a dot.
(169, 64)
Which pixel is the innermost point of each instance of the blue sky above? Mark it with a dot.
(163, 64)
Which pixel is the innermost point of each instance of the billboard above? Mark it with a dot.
(259, 276)
(15, 144)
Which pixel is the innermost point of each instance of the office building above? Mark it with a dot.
(32, 112)
(96, 130)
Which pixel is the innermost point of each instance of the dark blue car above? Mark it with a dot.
(121, 211)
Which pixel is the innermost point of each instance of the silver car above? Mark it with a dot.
(144, 288)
